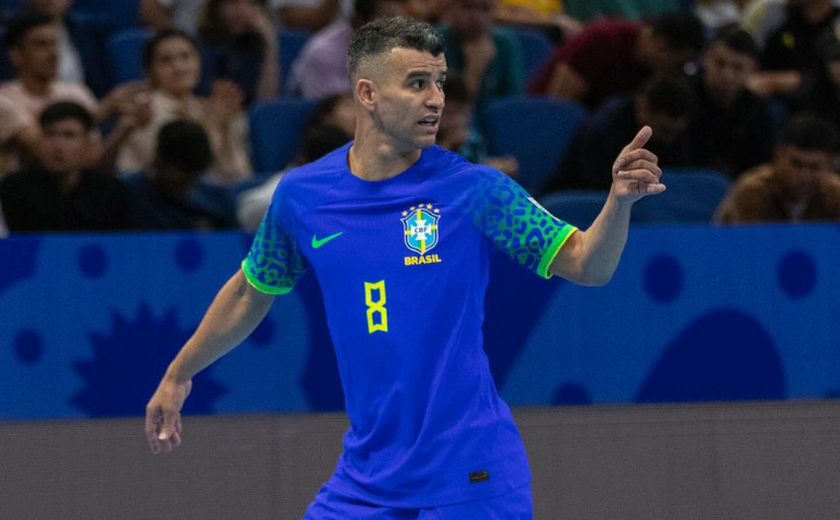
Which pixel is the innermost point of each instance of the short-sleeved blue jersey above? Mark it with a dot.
(403, 267)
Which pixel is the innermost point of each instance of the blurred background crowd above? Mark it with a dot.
(184, 114)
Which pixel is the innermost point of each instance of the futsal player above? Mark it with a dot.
(400, 233)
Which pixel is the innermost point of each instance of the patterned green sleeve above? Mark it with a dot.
(517, 225)
(274, 262)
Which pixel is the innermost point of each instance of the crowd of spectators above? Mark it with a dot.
(750, 89)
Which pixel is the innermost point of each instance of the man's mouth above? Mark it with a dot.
(430, 122)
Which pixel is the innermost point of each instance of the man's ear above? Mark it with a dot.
(365, 92)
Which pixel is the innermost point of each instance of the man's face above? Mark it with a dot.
(654, 52)
(64, 145)
(176, 66)
(408, 97)
(726, 71)
(472, 18)
(37, 53)
(799, 170)
(55, 8)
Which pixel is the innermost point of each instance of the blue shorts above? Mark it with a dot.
(330, 505)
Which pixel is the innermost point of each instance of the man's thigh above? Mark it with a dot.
(516, 505)
(330, 505)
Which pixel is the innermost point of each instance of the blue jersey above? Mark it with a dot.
(403, 265)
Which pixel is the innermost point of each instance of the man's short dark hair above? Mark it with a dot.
(736, 39)
(184, 145)
(18, 27)
(64, 110)
(388, 33)
(669, 95)
(811, 132)
(159, 37)
(681, 31)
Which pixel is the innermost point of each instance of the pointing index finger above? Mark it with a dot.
(640, 140)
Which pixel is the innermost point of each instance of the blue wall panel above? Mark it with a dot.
(89, 322)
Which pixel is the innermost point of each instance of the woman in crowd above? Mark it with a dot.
(173, 66)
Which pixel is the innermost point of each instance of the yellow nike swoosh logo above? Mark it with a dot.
(317, 243)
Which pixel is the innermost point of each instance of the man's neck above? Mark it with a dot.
(35, 86)
(375, 160)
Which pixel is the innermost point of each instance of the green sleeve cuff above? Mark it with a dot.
(554, 248)
(263, 288)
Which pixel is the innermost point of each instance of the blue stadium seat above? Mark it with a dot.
(7, 71)
(534, 130)
(120, 13)
(536, 48)
(125, 52)
(10, 7)
(90, 34)
(692, 197)
(575, 207)
(291, 43)
(275, 131)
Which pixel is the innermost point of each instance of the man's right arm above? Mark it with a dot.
(235, 312)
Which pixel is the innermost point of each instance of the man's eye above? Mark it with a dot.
(418, 83)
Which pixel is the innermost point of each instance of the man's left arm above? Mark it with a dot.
(591, 257)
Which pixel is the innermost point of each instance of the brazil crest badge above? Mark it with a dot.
(421, 228)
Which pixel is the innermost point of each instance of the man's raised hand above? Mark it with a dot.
(636, 172)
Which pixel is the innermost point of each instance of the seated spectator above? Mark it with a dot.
(732, 130)
(165, 14)
(614, 56)
(61, 193)
(800, 185)
(170, 194)
(589, 10)
(330, 125)
(665, 104)
(311, 15)
(820, 90)
(240, 45)
(488, 58)
(321, 68)
(318, 141)
(32, 44)
(172, 64)
(80, 47)
(786, 33)
(458, 134)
